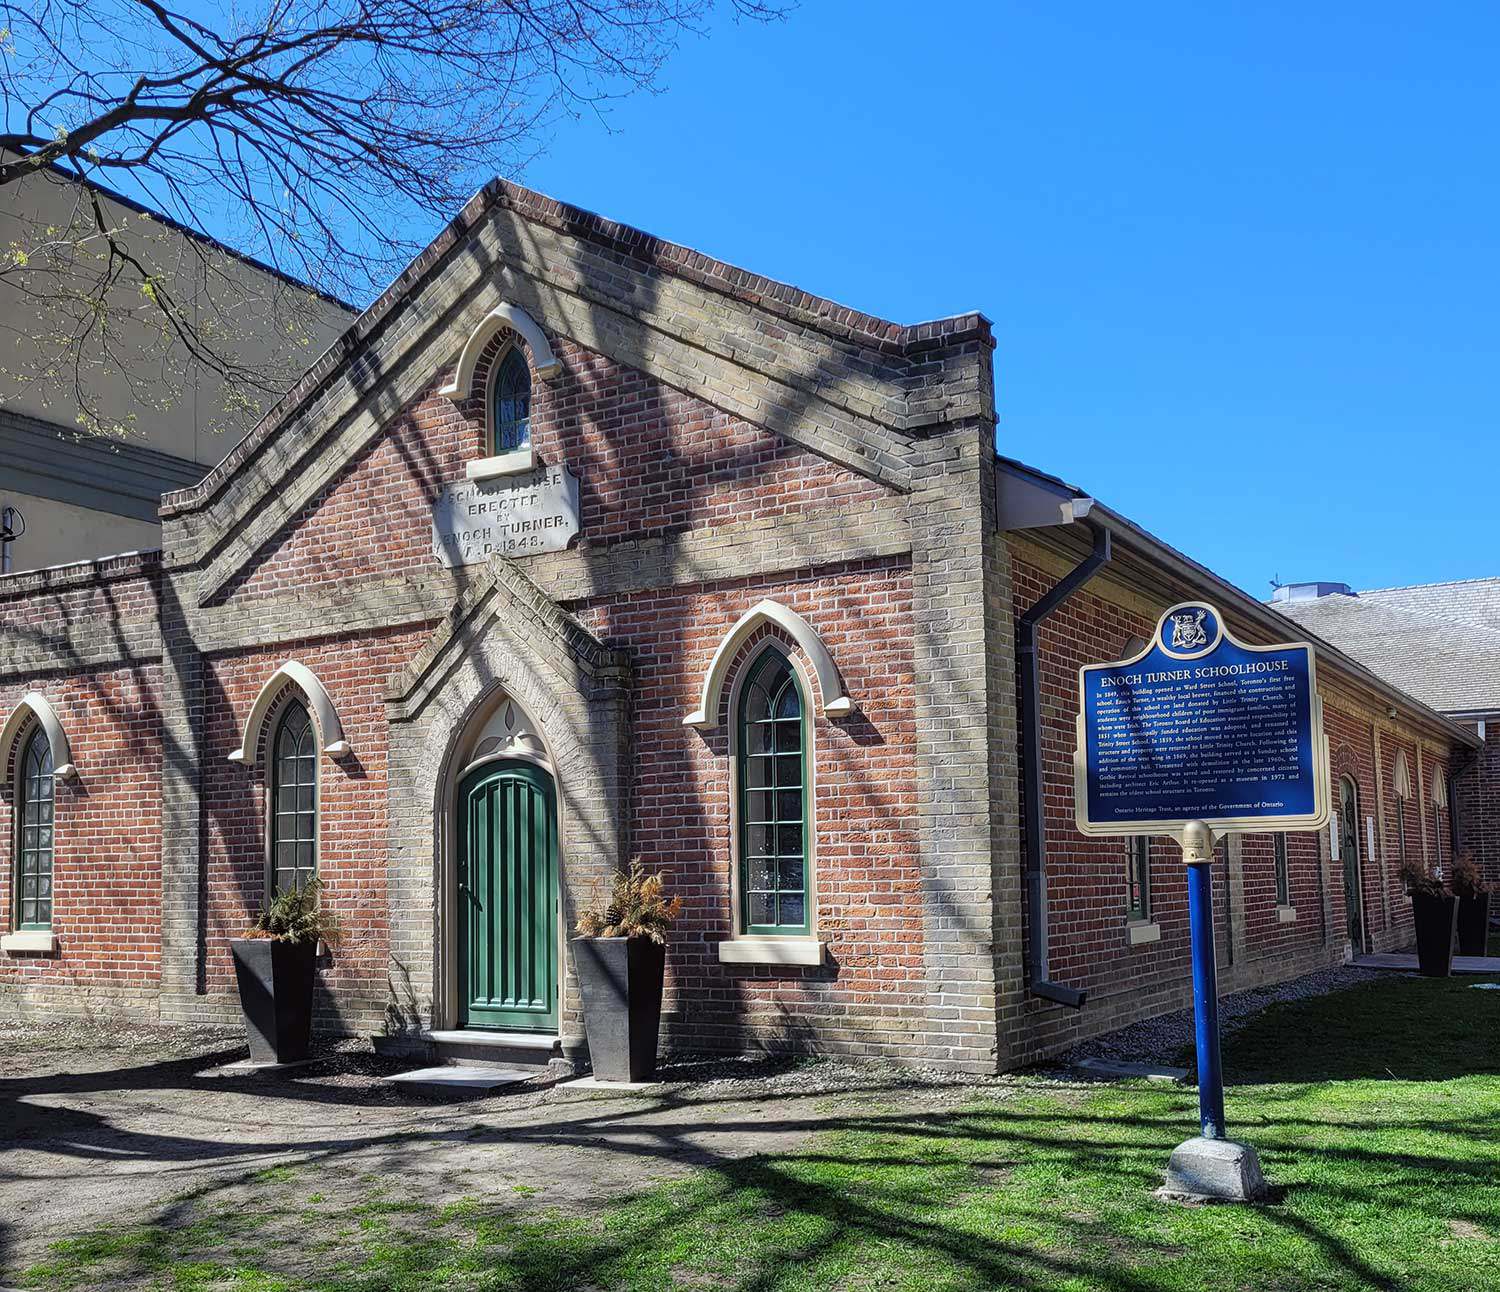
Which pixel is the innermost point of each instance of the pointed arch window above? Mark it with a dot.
(510, 404)
(1439, 803)
(34, 804)
(1403, 793)
(294, 799)
(773, 793)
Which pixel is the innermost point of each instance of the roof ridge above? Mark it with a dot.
(781, 299)
(1441, 583)
(721, 274)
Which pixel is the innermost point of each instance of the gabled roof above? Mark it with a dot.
(1130, 537)
(857, 390)
(1438, 641)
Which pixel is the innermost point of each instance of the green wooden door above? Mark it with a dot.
(507, 893)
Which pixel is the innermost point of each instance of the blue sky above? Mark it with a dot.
(1241, 260)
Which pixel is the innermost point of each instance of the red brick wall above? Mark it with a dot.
(868, 899)
(1478, 788)
(104, 594)
(106, 869)
(1087, 877)
(352, 804)
(650, 460)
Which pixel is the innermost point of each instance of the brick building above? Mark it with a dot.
(580, 547)
(1441, 643)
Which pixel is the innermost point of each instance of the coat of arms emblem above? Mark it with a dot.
(1187, 630)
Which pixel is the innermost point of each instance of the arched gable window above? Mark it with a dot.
(510, 404)
(771, 726)
(34, 803)
(294, 799)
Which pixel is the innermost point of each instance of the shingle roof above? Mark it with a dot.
(1438, 641)
(1470, 601)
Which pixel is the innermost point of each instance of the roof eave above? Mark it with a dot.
(1130, 535)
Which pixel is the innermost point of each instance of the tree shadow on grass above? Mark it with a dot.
(934, 1193)
(1409, 1029)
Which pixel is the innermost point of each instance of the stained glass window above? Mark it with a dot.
(511, 412)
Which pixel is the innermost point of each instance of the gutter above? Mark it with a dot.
(1037, 973)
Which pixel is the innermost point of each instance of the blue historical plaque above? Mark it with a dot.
(1201, 727)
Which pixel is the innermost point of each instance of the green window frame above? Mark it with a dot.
(1138, 879)
(510, 404)
(771, 726)
(35, 801)
(294, 799)
(1283, 878)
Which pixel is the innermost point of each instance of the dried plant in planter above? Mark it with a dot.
(638, 908)
(296, 916)
(1467, 881)
(1419, 881)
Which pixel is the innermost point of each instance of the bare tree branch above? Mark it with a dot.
(308, 133)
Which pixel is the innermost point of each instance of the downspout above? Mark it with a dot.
(1031, 763)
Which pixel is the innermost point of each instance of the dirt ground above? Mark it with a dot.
(142, 1127)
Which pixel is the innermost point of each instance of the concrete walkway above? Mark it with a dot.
(1407, 961)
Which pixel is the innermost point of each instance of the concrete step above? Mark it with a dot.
(468, 1047)
(495, 1049)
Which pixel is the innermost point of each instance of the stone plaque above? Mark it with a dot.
(535, 511)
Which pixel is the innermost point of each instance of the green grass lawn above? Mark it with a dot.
(1376, 1113)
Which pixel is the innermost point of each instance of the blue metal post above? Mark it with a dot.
(1206, 999)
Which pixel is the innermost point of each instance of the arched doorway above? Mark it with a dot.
(507, 895)
(1349, 853)
(502, 908)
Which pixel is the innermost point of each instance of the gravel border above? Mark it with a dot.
(348, 1069)
(1164, 1039)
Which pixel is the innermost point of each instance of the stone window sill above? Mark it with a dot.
(771, 951)
(1286, 914)
(29, 941)
(504, 464)
(1142, 933)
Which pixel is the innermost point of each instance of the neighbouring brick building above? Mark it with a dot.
(1441, 643)
(578, 548)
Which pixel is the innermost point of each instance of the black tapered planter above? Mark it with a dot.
(276, 992)
(1473, 924)
(620, 980)
(1435, 918)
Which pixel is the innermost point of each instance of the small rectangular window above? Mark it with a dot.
(1138, 880)
(1283, 880)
